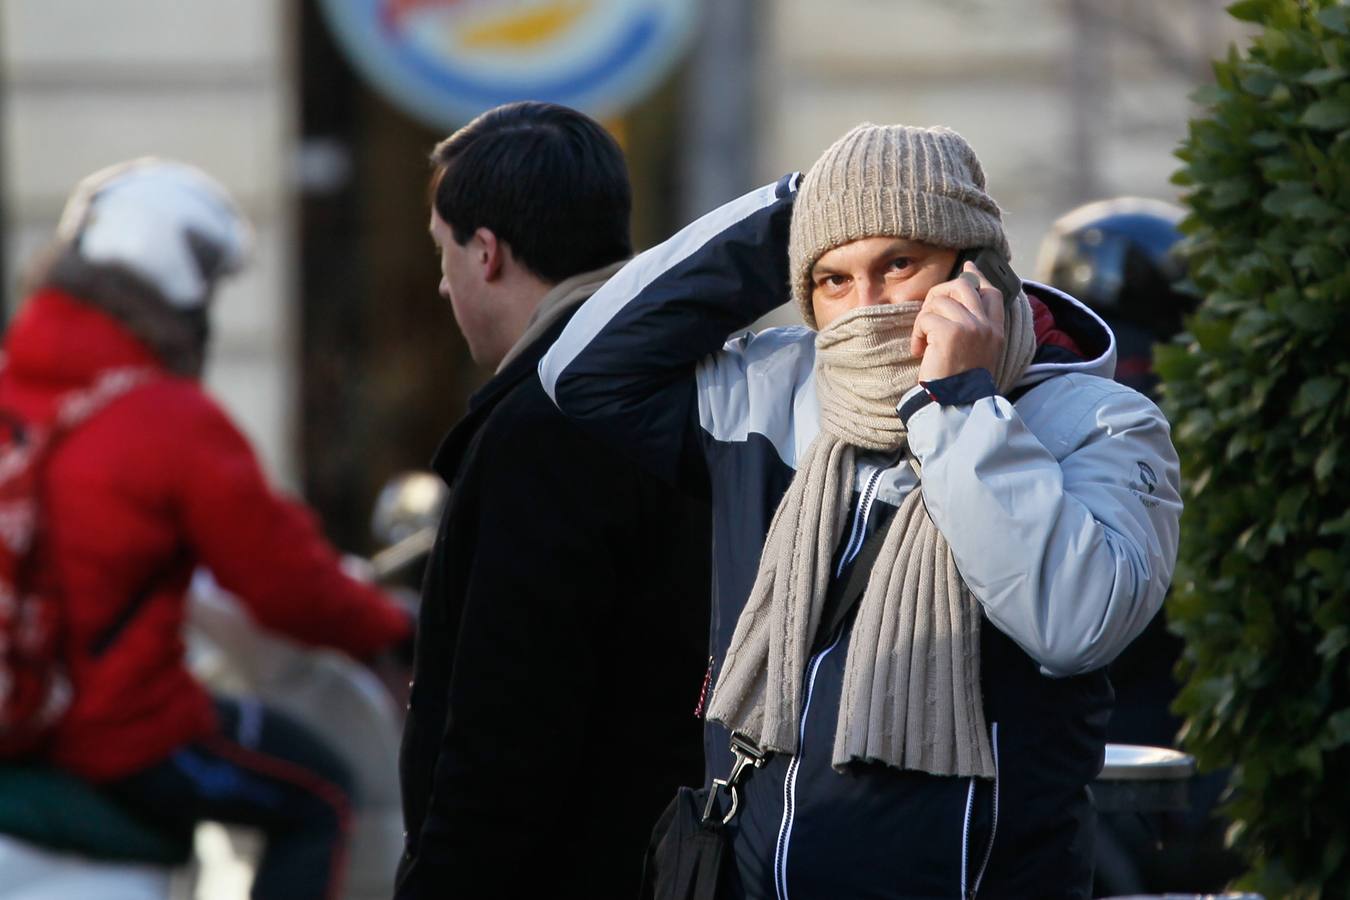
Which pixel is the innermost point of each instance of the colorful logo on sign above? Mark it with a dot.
(445, 61)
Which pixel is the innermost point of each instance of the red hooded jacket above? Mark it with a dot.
(153, 485)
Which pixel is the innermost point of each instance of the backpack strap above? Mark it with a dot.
(34, 688)
(74, 409)
(108, 636)
(78, 406)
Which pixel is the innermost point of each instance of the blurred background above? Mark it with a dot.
(334, 350)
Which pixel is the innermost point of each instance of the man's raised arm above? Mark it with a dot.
(624, 365)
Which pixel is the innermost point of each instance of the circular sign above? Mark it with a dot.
(445, 61)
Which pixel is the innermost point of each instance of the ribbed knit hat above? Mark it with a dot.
(922, 184)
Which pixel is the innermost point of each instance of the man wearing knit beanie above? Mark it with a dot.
(936, 519)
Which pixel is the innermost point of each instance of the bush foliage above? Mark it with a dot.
(1258, 392)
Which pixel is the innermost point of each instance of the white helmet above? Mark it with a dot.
(170, 223)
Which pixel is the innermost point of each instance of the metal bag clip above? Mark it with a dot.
(748, 755)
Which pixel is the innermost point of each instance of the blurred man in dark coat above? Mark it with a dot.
(562, 638)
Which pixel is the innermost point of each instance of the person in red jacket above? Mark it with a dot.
(151, 486)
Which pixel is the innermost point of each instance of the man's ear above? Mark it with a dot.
(490, 253)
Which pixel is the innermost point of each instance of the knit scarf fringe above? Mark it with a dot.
(911, 692)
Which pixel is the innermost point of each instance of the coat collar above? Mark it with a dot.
(450, 455)
(565, 296)
(62, 342)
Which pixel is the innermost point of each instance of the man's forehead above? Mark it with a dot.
(435, 223)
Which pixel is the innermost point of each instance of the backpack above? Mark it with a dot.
(34, 689)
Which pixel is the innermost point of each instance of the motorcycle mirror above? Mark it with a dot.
(409, 503)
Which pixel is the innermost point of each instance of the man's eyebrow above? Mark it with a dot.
(896, 246)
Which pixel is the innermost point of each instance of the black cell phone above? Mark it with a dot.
(994, 267)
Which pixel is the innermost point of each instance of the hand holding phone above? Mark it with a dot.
(958, 330)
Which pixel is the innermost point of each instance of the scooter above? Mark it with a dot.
(343, 702)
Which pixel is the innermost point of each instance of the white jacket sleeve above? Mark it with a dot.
(1062, 512)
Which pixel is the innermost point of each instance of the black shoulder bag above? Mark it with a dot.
(686, 854)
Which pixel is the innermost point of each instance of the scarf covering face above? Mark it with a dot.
(911, 694)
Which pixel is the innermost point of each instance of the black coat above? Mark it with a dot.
(561, 647)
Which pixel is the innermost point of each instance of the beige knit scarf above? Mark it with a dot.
(911, 694)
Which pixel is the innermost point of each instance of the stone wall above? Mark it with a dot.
(1064, 100)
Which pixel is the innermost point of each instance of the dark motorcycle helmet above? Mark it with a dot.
(1119, 257)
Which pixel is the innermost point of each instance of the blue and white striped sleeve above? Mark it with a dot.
(625, 364)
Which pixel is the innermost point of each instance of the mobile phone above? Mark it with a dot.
(993, 266)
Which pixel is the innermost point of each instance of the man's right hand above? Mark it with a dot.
(960, 327)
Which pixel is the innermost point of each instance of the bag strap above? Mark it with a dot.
(838, 607)
(747, 752)
(72, 409)
(108, 636)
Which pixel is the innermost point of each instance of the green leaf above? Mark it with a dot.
(1315, 209)
(1323, 77)
(1284, 167)
(1329, 115)
(1250, 10)
(1282, 200)
(1230, 192)
(1309, 759)
(1290, 504)
(1339, 525)
(1275, 43)
(1325, 465)
(1266, 140)
(1244, 539)
(1209, 95)
(1324, 562)
(1336, 640)
(1338, 728)
(1261, 82)
(1330, 614)
(1316, 393)
(1212, 336)
(1321, 259)
(1336, 18)
(1310, 317)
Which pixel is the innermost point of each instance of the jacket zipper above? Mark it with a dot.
(993, 829)
(851, 549)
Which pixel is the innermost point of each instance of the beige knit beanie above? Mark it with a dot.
(923, 184)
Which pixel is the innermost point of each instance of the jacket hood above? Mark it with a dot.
(58, 341)
(1094, 339)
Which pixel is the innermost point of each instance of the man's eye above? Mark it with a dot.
(901, 264)
(834, 281)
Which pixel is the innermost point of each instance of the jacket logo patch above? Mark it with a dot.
(1147, 476)
(1145, 485)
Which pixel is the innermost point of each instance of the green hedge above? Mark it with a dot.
(1258, 392)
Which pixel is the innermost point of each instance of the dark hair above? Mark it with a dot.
(547, 180)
